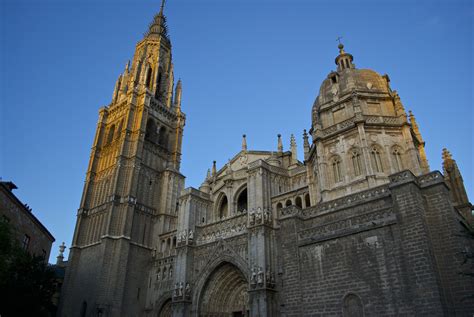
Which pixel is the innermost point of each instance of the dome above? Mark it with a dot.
(340, 83)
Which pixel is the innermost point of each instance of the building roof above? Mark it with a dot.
(8, 187)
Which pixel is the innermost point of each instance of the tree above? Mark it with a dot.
(26, 282)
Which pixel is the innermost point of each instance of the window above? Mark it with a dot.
(376, 160)
(150, 133)
(356, 163)
(26, 242)
(242, 201)
(110, 136)
(307, 200)
(162, 138)
(288, 203)
(158, 83)
(148, 78)
(279, 206)
(299, 202)
(352, 306)
(336, 170)
(397, 159)
(223, 207)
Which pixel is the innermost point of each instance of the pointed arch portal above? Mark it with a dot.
(225, 293)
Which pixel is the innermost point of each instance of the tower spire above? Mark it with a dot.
(244, 142)
(162, 7)
(158, 26)
(280, 144)
(294, 158)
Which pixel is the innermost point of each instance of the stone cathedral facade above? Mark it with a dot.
(360, 227)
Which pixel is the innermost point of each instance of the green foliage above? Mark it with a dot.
(26, 282)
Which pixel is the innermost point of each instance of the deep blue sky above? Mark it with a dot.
(251, 67)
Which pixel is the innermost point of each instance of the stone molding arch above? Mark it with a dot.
(210, 268)
(236, 196)
(161, 302)
(218, 202)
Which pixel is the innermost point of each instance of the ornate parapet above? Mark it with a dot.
(401, 178)
(289, 212)
(422, 181)
(430, 179)
(223, 229)
(347, 201)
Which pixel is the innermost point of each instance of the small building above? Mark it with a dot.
(31, 234)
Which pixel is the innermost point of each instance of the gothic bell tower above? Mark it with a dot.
(131, 186)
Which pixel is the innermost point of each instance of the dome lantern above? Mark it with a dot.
(343, 60)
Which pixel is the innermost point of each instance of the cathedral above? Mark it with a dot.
(360, 227)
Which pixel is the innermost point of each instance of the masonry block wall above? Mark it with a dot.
(393, 250)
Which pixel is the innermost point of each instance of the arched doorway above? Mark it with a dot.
(225, 293)
(165, 310)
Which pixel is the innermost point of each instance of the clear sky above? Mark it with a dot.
(251, 67)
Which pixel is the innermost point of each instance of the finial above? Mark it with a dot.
(127, 66)
(162, 6)
(446, 155)
(305, 144)
(340, 46)
(294, 158)
(244, 142)
(208, 175)
(214, 169)
(280, 144)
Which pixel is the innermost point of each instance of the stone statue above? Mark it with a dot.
(258, 216)
(176, 290)
(178, 238)
(254, 277)
(252, 216)
(180, 290)
(266, 215)
(268, 276)
(191, 235)
(188, 290)
(171, 272)
(184, 235)
(260, 276)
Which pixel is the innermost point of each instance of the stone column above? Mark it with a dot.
(261, 244)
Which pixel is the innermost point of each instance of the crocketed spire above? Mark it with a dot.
(158, 26)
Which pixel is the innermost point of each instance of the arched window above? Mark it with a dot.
(352, 306)
(120, 127)
(110, 136)
(356, 163)
(148, 77)
(307, 201)
(336, 169)
(288, 203)
(150, 133)
(397, 159)
(376, 159)
(223, 207)
(162, 137)
(279, 206)
(158, 82)
(139, 70)
(242, 201)
(299, 202)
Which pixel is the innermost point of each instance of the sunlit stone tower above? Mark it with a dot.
(131, 186)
